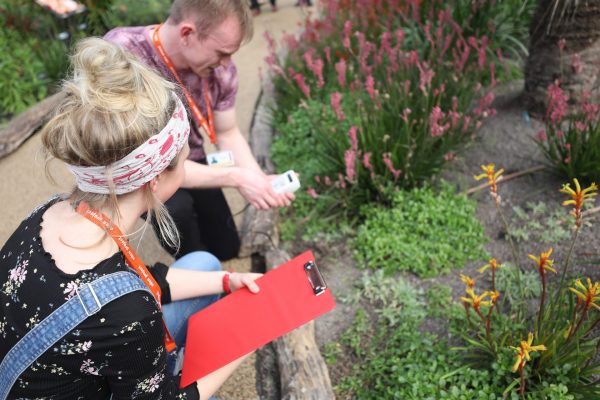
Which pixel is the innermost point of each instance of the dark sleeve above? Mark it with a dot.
(137, 366)
(159, 272)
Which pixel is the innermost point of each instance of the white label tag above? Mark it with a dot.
(220, 159)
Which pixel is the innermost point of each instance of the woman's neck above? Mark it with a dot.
(130, 207)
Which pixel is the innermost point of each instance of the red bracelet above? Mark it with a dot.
(226, 287)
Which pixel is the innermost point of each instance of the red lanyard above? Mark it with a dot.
(132, 259)
(208, 126)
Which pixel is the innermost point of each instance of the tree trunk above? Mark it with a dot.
(26, 123)
(576, 66)
(302, 370)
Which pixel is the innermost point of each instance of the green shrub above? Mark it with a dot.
(36, 44)
(405, 106)
(422, 232)
(395, 358)
(391, 355)
(22, 77)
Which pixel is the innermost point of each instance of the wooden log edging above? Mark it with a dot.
(25, 124)
(302, 370)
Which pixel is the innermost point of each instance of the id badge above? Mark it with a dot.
(220, 159)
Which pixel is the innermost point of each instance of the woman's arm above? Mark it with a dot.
(186, 284)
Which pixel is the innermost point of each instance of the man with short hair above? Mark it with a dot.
(194, 48)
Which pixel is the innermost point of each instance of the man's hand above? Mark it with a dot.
(256, 188)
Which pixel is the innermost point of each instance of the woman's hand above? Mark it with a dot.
(238, 280)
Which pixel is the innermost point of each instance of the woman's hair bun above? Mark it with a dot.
(107, 77)
(113, 104)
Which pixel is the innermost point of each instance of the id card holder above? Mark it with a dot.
(220, 159)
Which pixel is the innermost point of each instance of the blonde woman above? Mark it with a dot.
(80, 314)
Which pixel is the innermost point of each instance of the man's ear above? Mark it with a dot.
(186, 30)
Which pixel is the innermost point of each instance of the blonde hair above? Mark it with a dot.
(208, 14)
(113, 104)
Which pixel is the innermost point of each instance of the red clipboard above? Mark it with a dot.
(290, 296)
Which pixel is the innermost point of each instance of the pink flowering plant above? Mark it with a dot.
(570, 139)
(393, 90)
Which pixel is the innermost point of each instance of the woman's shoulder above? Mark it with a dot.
(29, 227)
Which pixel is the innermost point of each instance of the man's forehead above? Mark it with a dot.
(227, 35)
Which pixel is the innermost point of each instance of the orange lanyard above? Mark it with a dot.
(208, 126)
(132, 259)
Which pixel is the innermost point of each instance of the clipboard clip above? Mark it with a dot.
(315, 278)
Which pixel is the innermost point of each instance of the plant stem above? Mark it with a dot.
(515, 252)
(574, 317)
(488, 334)
(522, 388)
(564, 272)
(494, 287)
(543, 297)
(592, 327)
(583, 315)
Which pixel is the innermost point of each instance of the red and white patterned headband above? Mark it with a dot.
(142, 164)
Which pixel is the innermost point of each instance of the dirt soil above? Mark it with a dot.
(505, 139)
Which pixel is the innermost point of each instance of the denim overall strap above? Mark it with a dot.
(90, 298)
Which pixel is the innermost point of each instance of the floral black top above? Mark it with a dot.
(118, 351)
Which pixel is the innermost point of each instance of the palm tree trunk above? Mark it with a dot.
(577, 65)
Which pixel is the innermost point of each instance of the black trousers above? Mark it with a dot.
(254, 4)
(204, 222)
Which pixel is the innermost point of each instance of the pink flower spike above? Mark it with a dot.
(346, 34)
(340, 68)
(271, 41)
(561, 44)
(405, 114)
(336, 99)
(557, 103)
(580, 126)
(367, 161)
(541, 135)
(327, 51)
(425, 76)
(317, 69)
(312, 193)
(449, 156)
(370, 86)
(341, 182)
(350, 160)
(299, 78)
(435, 117)
(387, 159)
(307, 56)
(353, 138)
(290, 42)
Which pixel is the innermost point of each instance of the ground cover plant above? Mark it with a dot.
(422, 231)
(380, 98)
(513, 333)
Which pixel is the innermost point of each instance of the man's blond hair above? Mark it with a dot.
(209, 14)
